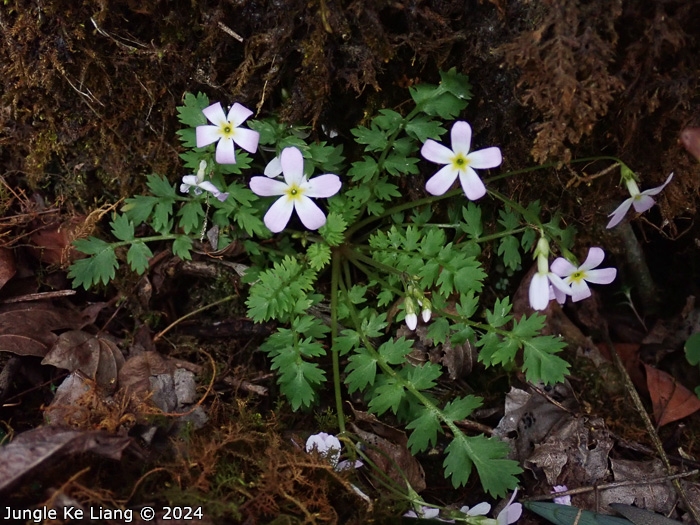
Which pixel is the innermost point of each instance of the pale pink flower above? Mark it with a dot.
(561, 500)
(227, 131)
(511, 512)
(641, 201)
(540, 291)
(577, 277)
(198, 183)
(459, 162)
(296, 193)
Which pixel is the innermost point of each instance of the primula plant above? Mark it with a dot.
(326, 233)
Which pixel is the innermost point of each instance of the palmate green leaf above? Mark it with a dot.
(387, 396)
(319, 255)
(191, 215)
(101, 267)
(190, 113)
(456, 83)
(472, 226)
(509, 249)
(499, 315)
(346, 341)
(394, 351)
(298, 381)
(374, 325)
(496, 474)
(435, 101)
(122, 228)
(397, 164)
(385, 191)
(461, 407)
(438, 330)
(139, 208)
(423, 128)
(425, 430)
(364, 170)
(423, 377)
(160, 187)
(540, 362)
(138, 256)
(311, 326)
(374, 138)
(327, 158)
(182, 247)
(361, 370)
(389, 120)
(496, 350)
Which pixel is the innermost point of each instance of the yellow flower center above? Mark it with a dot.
(577, 276)
(460, 162)
(227, 130)
(294, 192)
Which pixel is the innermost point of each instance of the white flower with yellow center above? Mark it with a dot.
(226, 130)
(641, 201)
(576, 277)
(459, 162)
(296, 193)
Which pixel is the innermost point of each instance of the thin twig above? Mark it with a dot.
(226, 29)
(632, 391)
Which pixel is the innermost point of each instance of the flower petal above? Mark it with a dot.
(643, 203)
(511, 512)
(480, 509)
(558, 283)
(323, 186)
(562, 267)
(310, 214)
(593, 259)
(439, 183)
(238, 114)
(601, 276)
(247, 139)
(619, 213)
(471, 184)
(190, 180)
(485, 158)
(539, 291)
(658, 189)
(436, 152)
(225, 153)
(207, 135)
(215, 114)
(267, 187)
(273, 168)
(411, 321)
(185, 188)
(580, 291)
(292, 165)
(278, 215)
(461, 137)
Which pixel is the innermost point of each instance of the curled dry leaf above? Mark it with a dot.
(7, 265)
(28, 329)
(671, 400)
(53, 244)
(690, 137)
(31, 452)
(387, 447)
(94, 355)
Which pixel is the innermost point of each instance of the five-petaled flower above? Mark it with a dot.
(540, 284)
(327, 445)
(198, 183)
(641, 201)
(511, 512)
(576, 277)
(296, 193)
(459, 162)
(226, 129)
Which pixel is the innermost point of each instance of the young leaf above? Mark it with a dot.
(138, 256)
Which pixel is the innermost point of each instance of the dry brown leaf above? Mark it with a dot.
(135, 375)
(53, 244)
(671, 400)
(30, 452)
(388, 449)
(94, 355)
(7, 265)
(28, 329)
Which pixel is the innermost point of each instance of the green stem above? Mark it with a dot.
(335, 280)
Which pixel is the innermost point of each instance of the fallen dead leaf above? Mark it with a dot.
(30, 452)
(671, 400)
(7, 265)
(390, 453)
(96, 356)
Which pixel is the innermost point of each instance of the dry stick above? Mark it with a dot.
(614, 485)
(632, 391)
(194, 312)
